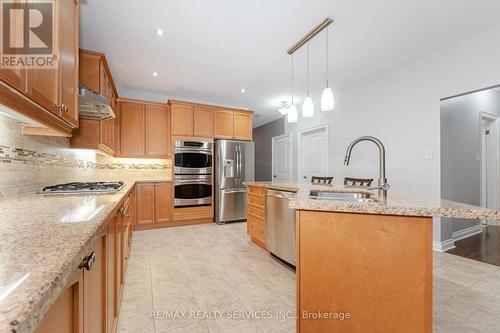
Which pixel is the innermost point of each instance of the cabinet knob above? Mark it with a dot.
(305, 177)
(62, 107)
(88, 261)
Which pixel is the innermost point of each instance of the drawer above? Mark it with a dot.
(256, 199)
(256, 211)
(255, 228)
(256, 190)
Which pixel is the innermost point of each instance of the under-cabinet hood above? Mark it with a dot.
(94, 106)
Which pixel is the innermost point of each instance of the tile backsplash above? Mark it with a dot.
(27, 163)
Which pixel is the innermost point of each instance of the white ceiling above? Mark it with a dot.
(212, 49)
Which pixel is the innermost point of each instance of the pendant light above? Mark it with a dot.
(308, 106)
(292, 115)
(327, 98)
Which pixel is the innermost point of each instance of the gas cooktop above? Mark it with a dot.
(77, 188)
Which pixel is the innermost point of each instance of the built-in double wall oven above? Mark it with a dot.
(193, 162)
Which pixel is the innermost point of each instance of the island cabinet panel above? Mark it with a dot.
(377, 268)
(132, 129)
(111, 275)
(157, 138)
(145, 203)
(243, 125)
(203, 122)
(182, 119)
(66, 314)
(255, 215)
(223, 124)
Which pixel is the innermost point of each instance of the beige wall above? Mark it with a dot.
(27, 163)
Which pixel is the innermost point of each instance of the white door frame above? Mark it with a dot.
(496, 136)
(299, 146)
(273, 161)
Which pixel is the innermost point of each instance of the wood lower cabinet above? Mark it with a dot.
(255, 215)
(66, 314)
(154, 204)
(163, 202)
(94, 290)
(145, 203)
(91, 300)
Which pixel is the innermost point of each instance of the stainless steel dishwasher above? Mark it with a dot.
(280, 225)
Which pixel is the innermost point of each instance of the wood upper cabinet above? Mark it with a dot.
(157, 138)
(145, 203)
(69, 61)
(95, 134)
(163, 202)
(53, 91)
(182, 119)
(243, 125)
(16, 78)
(203, 122)
(132, 129)
(95, 74)
(223, 124)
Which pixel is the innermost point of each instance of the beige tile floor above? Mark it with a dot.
(207, 269)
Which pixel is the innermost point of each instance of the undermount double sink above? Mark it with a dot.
(341, 196)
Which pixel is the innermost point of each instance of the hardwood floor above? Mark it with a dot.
(483, 247)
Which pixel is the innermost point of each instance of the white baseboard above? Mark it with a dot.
(467, 232)
(443, 246)
(456, 236)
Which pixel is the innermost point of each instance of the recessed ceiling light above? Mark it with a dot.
(155, 74)
(159, 32)
(242, 90)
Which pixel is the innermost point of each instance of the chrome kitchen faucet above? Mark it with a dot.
(382, 181)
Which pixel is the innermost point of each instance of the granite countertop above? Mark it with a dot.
(398, 203)
(43, 238)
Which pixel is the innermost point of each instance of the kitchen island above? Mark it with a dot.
(365, 266)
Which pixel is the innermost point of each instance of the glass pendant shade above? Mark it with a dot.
(308, 108)
(327, 100)
(293, 115)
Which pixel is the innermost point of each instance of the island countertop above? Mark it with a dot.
(398, 203)
(43, 238)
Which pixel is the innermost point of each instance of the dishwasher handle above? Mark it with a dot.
(281, 195)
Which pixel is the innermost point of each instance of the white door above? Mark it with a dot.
(282, 158)
(313, 153)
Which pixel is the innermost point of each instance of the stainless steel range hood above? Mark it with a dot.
(94, 106)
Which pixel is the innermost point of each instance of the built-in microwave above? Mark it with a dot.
(192, 157)
(192, 190)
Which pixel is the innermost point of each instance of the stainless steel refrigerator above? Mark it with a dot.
(234, 165)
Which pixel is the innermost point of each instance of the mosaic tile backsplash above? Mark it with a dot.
(28, 163)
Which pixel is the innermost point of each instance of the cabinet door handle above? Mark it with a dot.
(88, 261)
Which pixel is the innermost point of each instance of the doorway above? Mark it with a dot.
(282, 158)
(490, 149)
(312, 153)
